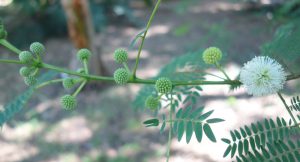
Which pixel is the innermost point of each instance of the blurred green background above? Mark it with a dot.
(105, 128)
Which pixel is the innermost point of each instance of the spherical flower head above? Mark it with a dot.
(163, 85)
(262, 76)
(121, 76)
(68, 102)
(68, 83)
(25, 71)
(120, 56)
(37, 48)
(152, 103)
(212, 55)
(25, 57)
(30, 80)
(83, 54)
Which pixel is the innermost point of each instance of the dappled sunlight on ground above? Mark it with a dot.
(14, 151)
(70, 130)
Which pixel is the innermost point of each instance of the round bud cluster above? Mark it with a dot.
(152, 103)
(68, 83)
(212, 55)
(163, 85)
(68, 102)
(3, 33)
(120, 55)
(121, 76)
(25, 57)
(37, 48)
(83, 54)
(30, 80)
(25, 71)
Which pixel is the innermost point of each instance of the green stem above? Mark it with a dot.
(48, 82)
(133, 80)
(126, 67)
(79, 88)
(215, 76)
(204, 73)
(222, 70)
(137, 80)
(170, 130)
(39, 59)
(11, 61)
(35, 71)
(86, 76)
(11, 47)
(287, 108)
(144, 37)
(85, 64)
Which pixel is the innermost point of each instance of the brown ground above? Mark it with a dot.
(104, 127)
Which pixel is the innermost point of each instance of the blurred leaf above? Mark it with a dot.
(209, 133)
(189, 131)
(214, 120)
(285, 46)
(151, 123)
(198, 131)
(135, 39)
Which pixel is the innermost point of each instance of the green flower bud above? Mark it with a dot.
(25, 57)
(25, 71)
(120, 56)
(163, 85)
(152, 103)
(37, 48)
(212, 55)
(68, 102)
(68, 83)
(30, 80)
(83, 54)
(121, 76)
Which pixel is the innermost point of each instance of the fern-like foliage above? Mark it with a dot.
(15, 106)
(278, 151)
(191, 121)
(285, 46)
(18, 103)
(295, 103)
(258, 135)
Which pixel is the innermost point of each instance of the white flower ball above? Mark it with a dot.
(262, 76)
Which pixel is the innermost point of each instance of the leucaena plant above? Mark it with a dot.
(266, 140)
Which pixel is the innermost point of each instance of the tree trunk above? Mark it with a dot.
(81, 32)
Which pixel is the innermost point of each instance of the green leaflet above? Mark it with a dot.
(209, 133)
(151, 123)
